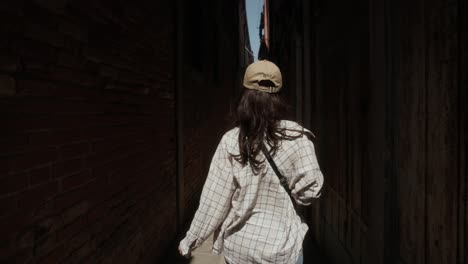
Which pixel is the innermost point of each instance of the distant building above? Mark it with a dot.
(264, 33)
(246, 55)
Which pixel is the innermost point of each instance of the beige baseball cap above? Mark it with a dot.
(263, 70)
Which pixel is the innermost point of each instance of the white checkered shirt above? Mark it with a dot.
(252, 215)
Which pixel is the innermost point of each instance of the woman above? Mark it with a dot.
(242, 202)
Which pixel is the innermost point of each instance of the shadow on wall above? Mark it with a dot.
(88, 142)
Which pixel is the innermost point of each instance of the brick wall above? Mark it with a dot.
(210, 81)
(87, 141)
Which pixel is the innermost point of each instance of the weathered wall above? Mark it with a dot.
(415, 58)
(211, 83)
(87, 142)
(388, 107)
(285, 29)
(344, 122)
(429, 134)
(100, 152)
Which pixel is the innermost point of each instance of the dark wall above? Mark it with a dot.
(87, 140)
(391, 119)
(110, 114)
(343, 123)
(429, 147)
(388, 107)
(285, 27)
(417, 81)
(210, 80)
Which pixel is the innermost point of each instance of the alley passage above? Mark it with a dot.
(110, 113)
(201, 255)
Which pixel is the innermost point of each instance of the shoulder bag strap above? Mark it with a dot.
(282, 179)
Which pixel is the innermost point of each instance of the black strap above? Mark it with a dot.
(282, 179)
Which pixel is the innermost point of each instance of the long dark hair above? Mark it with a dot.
(258, 115)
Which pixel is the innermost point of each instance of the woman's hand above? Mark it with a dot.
(185, 256)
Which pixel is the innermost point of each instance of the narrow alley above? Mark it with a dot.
(111, 111)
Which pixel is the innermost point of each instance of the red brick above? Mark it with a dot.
(72, 229)
(5, 248)
(40, 175)
(60, 108)
(9, 26)
(47, 225)
(67, 167)
(6, 165)
(33, 14)
(105, 145)
(75, 47)
(45, 244)
(42, 106)
(7, 85)
(74, 150)
(12, 223)
(96, 195)
(13, 183)
(54, 256)
(33, 66)
(37, 195)
(103, 169)
(57, 7)
(33, 158)
(8, 205)
(73, 30)
(65, 200)
(12, 8)
(70, 60)
(78, 240)
(11, 143)
(98, 212)
(43, 88)
(30, 49)
(45, 35)
(44, 122)
(124, 76)
(20, 256)
(54, 137)
(76, 180)
(81, 254)
(105, 163)
(79, 209)
(75, 77)
(9, 62)
(36, 87)
(105, 228)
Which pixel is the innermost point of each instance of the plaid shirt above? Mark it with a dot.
(252, 215)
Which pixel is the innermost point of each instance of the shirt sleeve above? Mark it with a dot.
(215, 201)
(307, 180)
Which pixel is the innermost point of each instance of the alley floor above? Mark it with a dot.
(203, 255)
